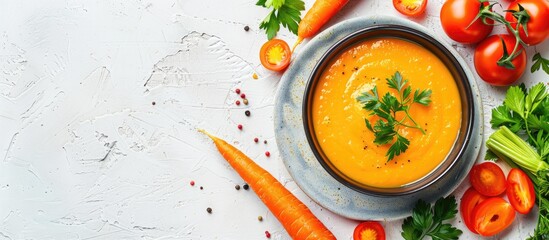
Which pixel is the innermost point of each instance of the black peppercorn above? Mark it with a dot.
(246, 28)
(246, 187)
(209, 210)
(247, 112)
(237, 187)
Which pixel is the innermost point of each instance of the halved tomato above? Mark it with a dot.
(492, 216)
(410, 8)
(520, 191)
(275, 55)
(369, 231)
(488, 179)
(471, 198)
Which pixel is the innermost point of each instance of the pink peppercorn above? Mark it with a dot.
(240, 126)
(237, 102)
(237, 91)
(267, 234)
(243, 95)
(267, 153)
(192, 183)
(256, 139)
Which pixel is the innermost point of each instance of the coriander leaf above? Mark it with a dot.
(370, 101)
(514, 100)
(368, 125)
(421, 215)
(423, 97)
(445, 232)
(535, 96)
(271, 25)
(276, 4)
(537, 123)
(406, 94)
(445, 208)
(391, 102)
(539, 62)
(383, 132)
(289, 18)
(502, 116)
(399, 146)
(261, 3)
(396, 82)
(408, 230)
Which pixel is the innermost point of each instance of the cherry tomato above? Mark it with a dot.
(537, 26)
(489, 51)
(456, 17)
(471, 198)
(369, 231)
(488, 179)
(412, 8)
(275, 55)
(492, 216)
(520, 191)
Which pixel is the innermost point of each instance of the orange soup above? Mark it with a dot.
(338, 118)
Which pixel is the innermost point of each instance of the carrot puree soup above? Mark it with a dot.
(339, 119)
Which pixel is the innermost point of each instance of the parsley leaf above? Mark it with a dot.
(427, 221)
(285, 12)
(539, 62)
(385, 129)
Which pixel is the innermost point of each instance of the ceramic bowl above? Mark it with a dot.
(427, 42)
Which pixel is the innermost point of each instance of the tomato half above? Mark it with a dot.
(537, 26)
(412, 8)
(492, 216)
(369, 231)
(471, 198)
(275, 55)
(489, 51)
(456, 17)
(488, 179)
(520, 191)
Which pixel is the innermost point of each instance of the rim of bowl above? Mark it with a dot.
(452, 64)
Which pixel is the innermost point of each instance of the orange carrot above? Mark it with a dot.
(316, 17)
(296, 218)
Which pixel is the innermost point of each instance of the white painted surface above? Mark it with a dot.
(84, 154)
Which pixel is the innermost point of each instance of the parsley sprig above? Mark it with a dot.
(427, 221)
(285, 12)
(539, 62)
(386, 128)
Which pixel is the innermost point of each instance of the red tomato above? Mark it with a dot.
(412, 8)
(471, 198)
(488, 179)
(537, 26)
(520, 191)
(275, 55)
(489, 51)
(456, 17)
(369, 231)
(492, 216)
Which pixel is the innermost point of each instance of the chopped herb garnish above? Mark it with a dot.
(386, 108)
(285, 12)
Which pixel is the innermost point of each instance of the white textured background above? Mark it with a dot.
(84, 154)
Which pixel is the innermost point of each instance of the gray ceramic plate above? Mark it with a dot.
(305, 169)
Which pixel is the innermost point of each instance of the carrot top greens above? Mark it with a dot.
(386, 108)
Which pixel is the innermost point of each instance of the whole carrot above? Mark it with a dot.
(294, 216)
(316, 17)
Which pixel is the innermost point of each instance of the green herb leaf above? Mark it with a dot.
(539, 62)
(386, 108)
(491, 156)
(285, 12)
(503, 116)
(514, 100)
(430, 222)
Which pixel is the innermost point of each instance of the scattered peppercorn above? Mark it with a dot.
(237, 187)
(265, 142)
(237, 102)
(239, 126)
(153, 103)
(243, 95)
(260, 218)
(256, 139)
(237, 91)
(246, 28)
(245, 186)
(201, 188)
(192, 183)
(247, 113)
(267, 234)
(245, 101)
(209, 210)
(267, 153)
